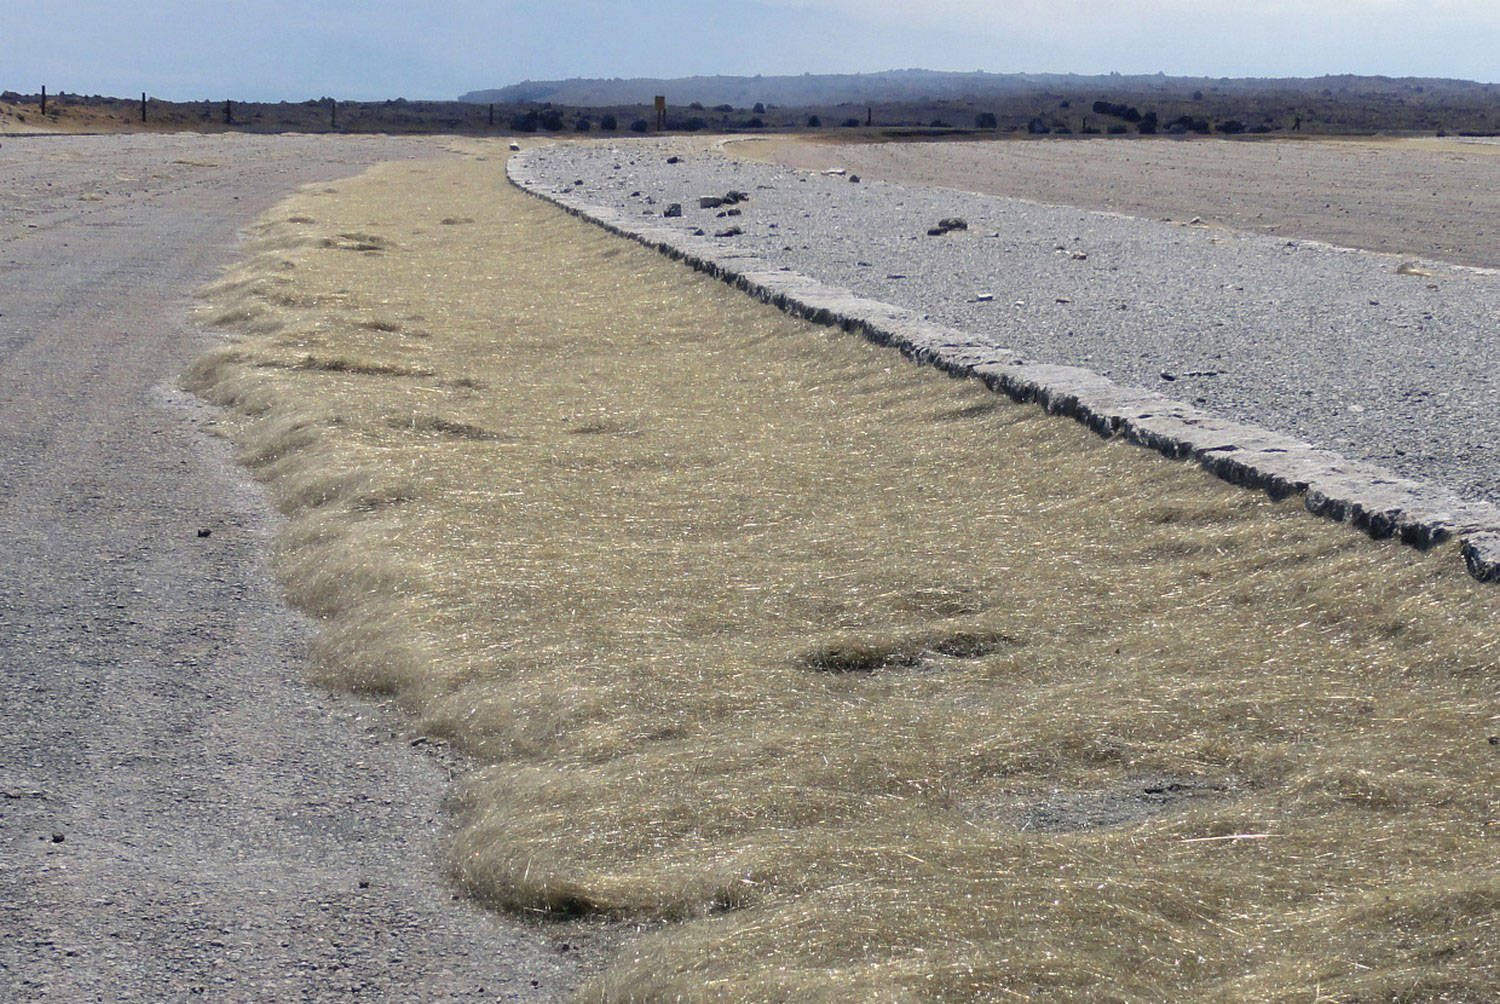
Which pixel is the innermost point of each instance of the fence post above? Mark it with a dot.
(492, 116)
(229, 113)
(143, 106)
(44, 99)
(333, 114)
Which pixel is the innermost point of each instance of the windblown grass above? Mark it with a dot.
(882, 687)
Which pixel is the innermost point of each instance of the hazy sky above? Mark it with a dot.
(363, 49)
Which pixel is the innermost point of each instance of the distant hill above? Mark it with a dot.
(894, 86)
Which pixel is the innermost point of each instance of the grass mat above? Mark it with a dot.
(876, 685)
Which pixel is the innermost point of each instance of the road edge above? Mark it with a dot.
(1366, 496)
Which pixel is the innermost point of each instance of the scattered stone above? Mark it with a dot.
(953, 223)
(1196, 221)
(733, 212)
(675, 209)
(699, 233)
(674, 160)
(731, 232)
(733, 196)
(514, 145)
(58, 838)
(1169, 377)
(205, 532)
(635, 195)
(835, 170)
(853, 179)
(1079, 256)
(983, 297)
(710, 202)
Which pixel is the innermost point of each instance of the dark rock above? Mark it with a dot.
(675, 209)
(853, 179)
(733, 212)
(731, 232)
(698, 232)
(674, 160)
(205, 532)
(58, 838)
(710, 202)
(733, 196)
(948, 223)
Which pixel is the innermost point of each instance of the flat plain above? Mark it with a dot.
(1431, 198)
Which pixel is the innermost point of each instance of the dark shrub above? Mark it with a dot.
(813, 122)
(1065, 104)
(1230, 127)
(551, 121)
(755, 123)
(1118, 129)
(639, 125)
(938, 124)
(694, 125)
(850, 123)
(987, 120)
(696, 106)
(608, 123)
(1037, 127)
(524, 123)
(582, 125)
(726, 109)
(759, 108)
(1148, 124)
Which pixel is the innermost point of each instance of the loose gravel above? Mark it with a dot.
(1375, 357)
(181, 817)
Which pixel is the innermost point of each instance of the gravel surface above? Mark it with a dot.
(181, 817)
(1332, 345)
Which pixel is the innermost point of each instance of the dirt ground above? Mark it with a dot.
(1427, 198)
(181, 816)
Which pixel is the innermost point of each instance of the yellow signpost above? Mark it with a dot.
(661, 111)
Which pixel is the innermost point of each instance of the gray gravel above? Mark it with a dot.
(1325, 344)
(181, 818)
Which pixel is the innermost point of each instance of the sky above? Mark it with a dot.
(292, 50)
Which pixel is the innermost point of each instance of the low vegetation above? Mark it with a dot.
(872, 685)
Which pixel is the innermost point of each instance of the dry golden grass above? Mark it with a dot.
(884, 688)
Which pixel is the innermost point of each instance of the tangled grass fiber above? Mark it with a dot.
(871, 684)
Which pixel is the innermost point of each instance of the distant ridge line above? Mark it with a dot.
(916, 85)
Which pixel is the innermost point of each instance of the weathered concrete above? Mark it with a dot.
(1364, 495)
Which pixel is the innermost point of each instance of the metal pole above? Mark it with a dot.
(143, 106)
(44, 99)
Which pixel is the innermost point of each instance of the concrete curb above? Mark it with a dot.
(1369, 497)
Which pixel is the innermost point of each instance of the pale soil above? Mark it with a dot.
(1428, 198)
(181, 816)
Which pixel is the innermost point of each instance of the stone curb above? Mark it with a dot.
(1369, 497)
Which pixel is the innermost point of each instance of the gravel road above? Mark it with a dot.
(1341, 347)
(181, 817)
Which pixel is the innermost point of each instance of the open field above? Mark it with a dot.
(875, 685)
(1428, 197)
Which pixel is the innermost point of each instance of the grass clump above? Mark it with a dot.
(881, 687)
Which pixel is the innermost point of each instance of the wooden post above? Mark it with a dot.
(143, 106)
(44, 99)
(492, 116)
(333, 114)
(229, 113)
(869, 116)
(661, 112)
